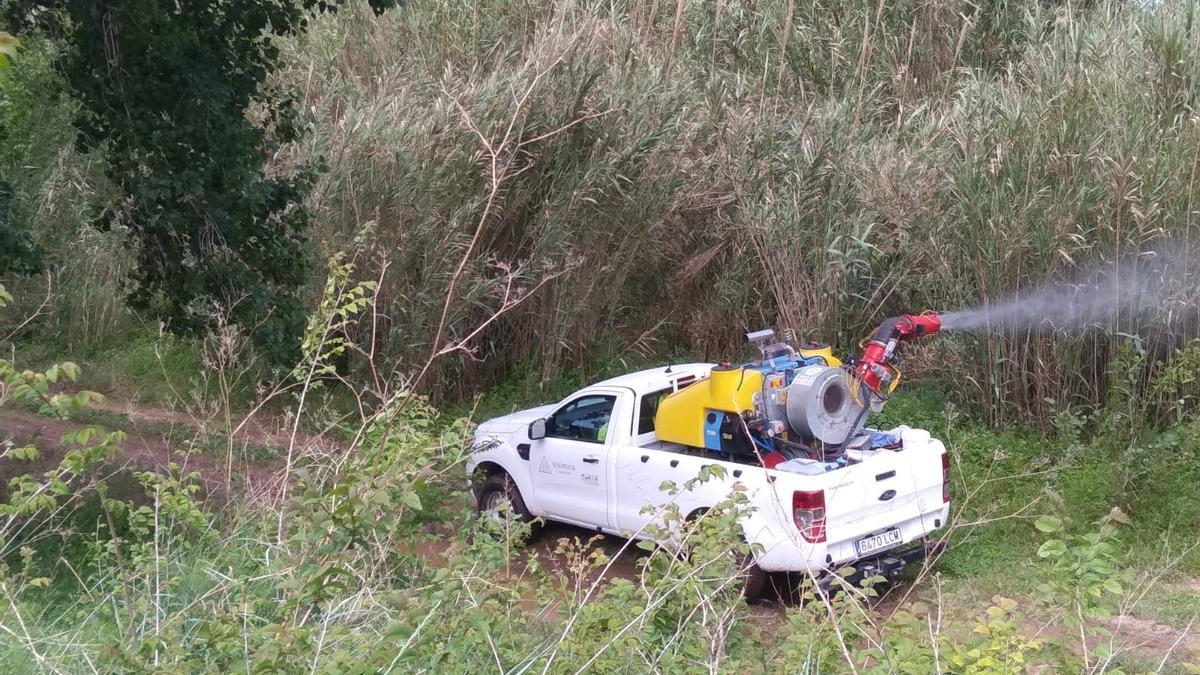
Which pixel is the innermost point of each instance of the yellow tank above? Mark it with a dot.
(681, 416)
(822, 350)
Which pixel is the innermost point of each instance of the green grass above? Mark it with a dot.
(142, 368)
(996, 559)
(146, 370)
(1174, 601)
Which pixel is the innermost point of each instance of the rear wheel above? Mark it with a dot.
(754, 578)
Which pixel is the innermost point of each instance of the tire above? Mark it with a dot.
(754, 578)
(499, 489)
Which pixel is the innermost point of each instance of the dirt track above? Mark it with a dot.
(140, 451)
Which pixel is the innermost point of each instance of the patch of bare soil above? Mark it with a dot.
(257, 430)
(1143, 635)
(140, 451)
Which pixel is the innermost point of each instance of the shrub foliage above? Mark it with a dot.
(174, 96)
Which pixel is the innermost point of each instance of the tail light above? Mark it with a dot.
(808, 510)
(945, 478)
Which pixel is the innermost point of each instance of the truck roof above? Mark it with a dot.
(655, 379)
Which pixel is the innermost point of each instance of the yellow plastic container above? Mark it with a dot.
(824, 351)
(681, 415)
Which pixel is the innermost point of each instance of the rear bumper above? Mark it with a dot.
(790, 553)
(889, 565)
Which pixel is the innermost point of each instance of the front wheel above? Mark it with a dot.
(499, 498)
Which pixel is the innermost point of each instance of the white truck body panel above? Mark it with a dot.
(605, 483)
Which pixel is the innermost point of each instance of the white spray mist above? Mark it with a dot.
(1153, 287)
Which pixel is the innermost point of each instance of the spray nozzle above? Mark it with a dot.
(874, 366)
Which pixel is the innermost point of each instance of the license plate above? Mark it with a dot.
(878, 542)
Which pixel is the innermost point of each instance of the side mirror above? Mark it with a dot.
(537, 429)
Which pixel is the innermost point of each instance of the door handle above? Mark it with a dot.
(645, 458)
(591, 460)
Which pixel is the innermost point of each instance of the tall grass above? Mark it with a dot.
(693, 170)
(372, 560)
(76, 305)
(743, 163)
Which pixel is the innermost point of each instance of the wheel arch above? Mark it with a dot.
(486, 468)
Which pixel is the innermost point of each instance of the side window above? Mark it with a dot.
(584, 419)
(649, 409)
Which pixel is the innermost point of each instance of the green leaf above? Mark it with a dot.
(1054, 548)
(1048, 524)
(8, 50)
(412, 500)
(70, 370)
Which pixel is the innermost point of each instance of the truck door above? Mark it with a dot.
(641, 469)
(570, 465)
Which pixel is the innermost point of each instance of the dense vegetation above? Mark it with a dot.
(674, 177)
(515, 198)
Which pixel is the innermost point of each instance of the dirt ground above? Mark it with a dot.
(141, 451)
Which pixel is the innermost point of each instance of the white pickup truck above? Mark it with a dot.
(594, 460)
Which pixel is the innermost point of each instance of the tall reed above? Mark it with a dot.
(745, 163)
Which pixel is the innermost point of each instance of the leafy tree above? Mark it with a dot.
(174, 93)
(17, 253)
